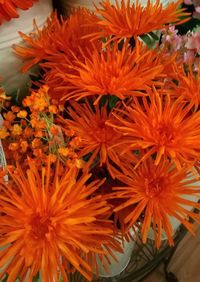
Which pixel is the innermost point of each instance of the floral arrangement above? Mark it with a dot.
(107, 139)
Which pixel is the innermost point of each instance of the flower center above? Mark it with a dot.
(103, 133)
(154, 187)
(166, 133)
(40, 225)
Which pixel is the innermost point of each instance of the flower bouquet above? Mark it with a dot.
(105, 142)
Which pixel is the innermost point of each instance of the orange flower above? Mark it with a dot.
(56, 40)
(3, 96)
(162, 126)
(38, 100)
(63, 151)
(28, 132)
(3, 133)
(126, 20)
(53, 109)
(24, 146)
(8, 8)
(36, 143)
(157, 192)
(22, 114)
(95, 137)
(9, 116)
(49, 222)
(15, 109)
(188, 85)
(16, 130)
(54, 130)
(13, 146)
(110, 72)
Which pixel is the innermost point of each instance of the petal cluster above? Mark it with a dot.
(9, 8)
(50, 222)
(124, 20)
(158, 192)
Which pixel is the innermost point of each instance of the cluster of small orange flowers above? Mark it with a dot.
(30, 131)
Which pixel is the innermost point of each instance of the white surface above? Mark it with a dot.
(116, 268)
(10, 64)
(2, 155)
(89, 3)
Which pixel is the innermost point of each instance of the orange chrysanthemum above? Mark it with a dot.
(156, 194)
(55, 40)
(188, 85)
(111, 71)
(8, 8)
(126, 20)
(96, 138)
(53, 46)
(50, 223)
(163, 126)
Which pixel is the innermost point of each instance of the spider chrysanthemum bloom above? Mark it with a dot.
(163, 126)
(111, 71)
(188, 85)
(51, 223)
(8, 8)
(156, 194)
(127, 20)
(96, 138)
(54, 41)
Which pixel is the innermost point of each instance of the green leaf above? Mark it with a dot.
(150, 38)
(5, 278)
(36, 278)
(147, 39)
(154, 35)
(103, 100)
(112, 101)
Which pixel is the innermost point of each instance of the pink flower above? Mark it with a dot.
(197, 9)
(193, 41)
(188, 2)
(172, 39)
(189, 56)
(196, 4)
(196, 14)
